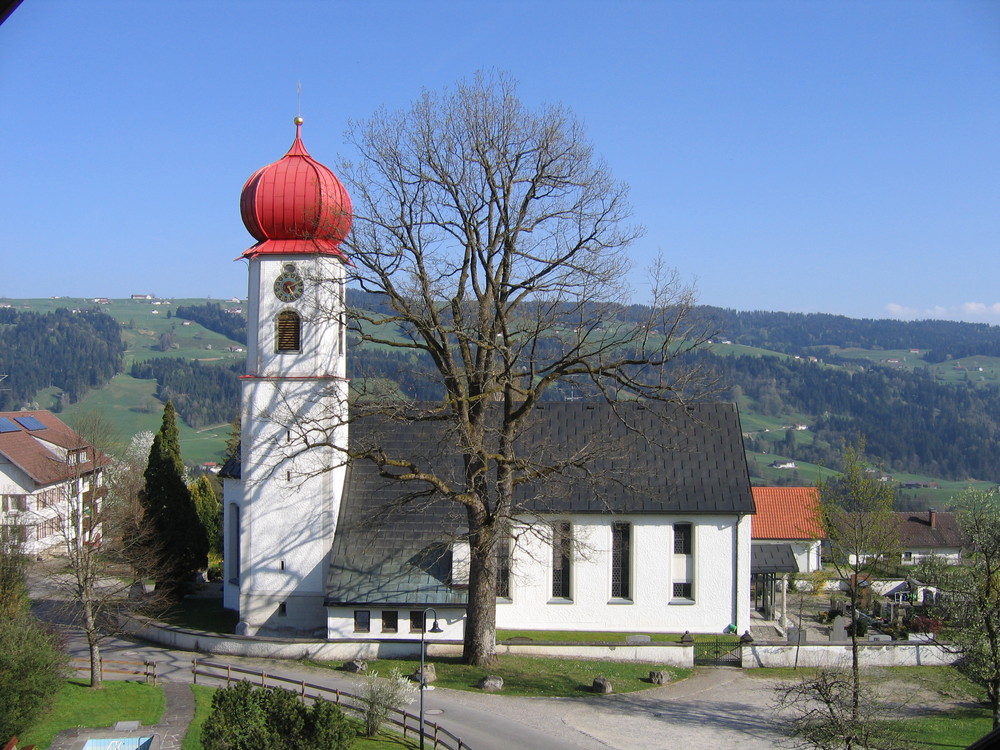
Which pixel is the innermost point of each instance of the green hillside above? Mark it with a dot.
(130, 405)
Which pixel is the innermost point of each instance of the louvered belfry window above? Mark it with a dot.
(621, 549)
(289, 332)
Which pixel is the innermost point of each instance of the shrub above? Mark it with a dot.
(862, 628)
(32, 670)
(381, 695)
(245, 717)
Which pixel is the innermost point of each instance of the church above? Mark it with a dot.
(322, 547)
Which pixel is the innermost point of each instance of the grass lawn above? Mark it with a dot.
(531, 676)
(76, 705)
(951, 729)
(202, 708)
(577, 636)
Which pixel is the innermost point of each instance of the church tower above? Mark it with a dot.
(281, 510)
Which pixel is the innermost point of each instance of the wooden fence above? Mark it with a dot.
(144, 669)
(406, 722)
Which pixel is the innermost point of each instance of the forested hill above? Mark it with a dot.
(911, 421)
(215, 318)
(73, 351)
(801, 333)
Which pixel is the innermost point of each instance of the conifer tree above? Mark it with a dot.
(178, 537)
(206, 501)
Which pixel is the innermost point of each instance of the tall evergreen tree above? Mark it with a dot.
(177, 535)
(209, 511)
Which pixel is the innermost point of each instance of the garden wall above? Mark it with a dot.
(888, 654)
(182, 639)
(894, 654)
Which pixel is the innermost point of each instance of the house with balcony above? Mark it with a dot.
(51, 481)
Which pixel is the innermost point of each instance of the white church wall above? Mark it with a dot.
(718, 564)
(291, 498)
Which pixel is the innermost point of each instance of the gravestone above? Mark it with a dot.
(838, 632)
(660, 676)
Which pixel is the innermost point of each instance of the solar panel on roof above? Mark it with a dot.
(30, 423)
(7, 426)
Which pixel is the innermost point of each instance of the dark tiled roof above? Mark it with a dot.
(621, 460)
(772, 558)
(232, 468)
(915, 530)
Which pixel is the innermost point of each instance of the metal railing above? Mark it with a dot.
(406, 722)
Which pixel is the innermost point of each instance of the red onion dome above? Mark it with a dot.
(295, 205)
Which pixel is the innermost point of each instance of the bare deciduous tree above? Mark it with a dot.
(821, 712)
(497, 241)
(93, 516)
(863, 535)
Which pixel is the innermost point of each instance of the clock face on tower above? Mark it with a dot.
(289, 286)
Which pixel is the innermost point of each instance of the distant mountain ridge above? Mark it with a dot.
(799, 333)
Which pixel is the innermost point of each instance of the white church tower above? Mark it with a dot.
(282, 501)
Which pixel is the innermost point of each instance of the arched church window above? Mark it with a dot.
(289, 334)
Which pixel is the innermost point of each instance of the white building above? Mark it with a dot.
(655, 539)
(51, 480)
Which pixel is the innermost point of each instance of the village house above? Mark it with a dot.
(929, 534)
(51, 480)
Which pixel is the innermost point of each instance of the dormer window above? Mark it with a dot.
(289, 331)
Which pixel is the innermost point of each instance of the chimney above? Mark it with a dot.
(932, 517)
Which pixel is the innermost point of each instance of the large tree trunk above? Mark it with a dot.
(481, 616)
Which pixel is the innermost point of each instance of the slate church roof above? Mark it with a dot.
(393, 540)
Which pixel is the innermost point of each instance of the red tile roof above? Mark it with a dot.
(29, 449)
(786, 513)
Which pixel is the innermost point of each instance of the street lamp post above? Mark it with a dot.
(435, 628)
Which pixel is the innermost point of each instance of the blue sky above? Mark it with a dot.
(838, 157)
